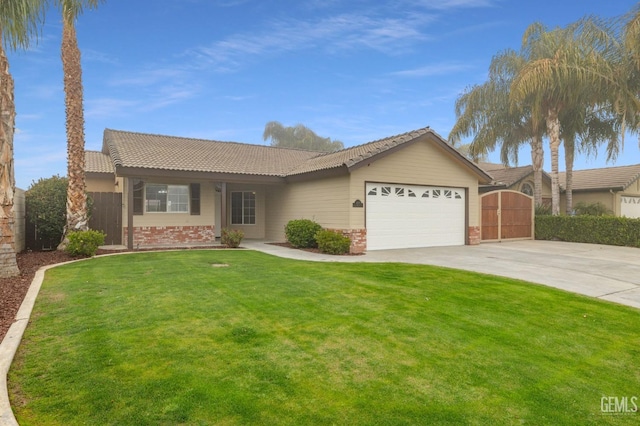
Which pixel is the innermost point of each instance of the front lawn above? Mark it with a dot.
(240, 337)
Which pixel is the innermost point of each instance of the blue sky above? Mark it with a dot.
(352, 70)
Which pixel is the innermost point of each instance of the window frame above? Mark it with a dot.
(246, 212)
(186, 203)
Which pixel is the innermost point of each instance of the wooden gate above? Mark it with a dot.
(507, 215)
(106, 215)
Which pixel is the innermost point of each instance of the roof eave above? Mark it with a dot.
(141, 172)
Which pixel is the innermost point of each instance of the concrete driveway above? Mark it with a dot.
(606, 272)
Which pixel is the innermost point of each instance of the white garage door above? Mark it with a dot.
(404, 216)
(630, 206)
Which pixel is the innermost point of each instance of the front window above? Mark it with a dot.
(243, 208)
(167, 198)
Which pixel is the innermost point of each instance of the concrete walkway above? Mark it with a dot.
(606, 272)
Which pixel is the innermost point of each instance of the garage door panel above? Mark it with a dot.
(404, 216)
(630, 207)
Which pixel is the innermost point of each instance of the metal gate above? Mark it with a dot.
(507, 215)
(106, 215)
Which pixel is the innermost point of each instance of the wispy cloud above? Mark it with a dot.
(332, 34)
(108, 107)
(433, 69)
(453, 4)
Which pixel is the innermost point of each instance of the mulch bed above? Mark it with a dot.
(312, 250)
(13, 290)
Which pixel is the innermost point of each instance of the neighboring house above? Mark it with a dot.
(516, 179)
(618, 188)
(409, 190)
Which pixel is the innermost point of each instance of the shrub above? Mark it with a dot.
(46, 202)
(332, 242)
(609, 230)
(231, 237)
(592, 209)
(84, 243)
(301, 233)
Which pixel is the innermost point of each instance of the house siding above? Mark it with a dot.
(105, 183)
(422, 163)
(325, 201)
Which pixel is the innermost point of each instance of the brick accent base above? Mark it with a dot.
(167, 236)
(474, 235)
(358, 239)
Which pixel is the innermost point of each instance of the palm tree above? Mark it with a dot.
(552, 94)
(486, 112)
(298, 136)
(585, 79)
(19, 22)
(77, 219)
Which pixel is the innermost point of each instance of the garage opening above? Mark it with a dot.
(410, 216)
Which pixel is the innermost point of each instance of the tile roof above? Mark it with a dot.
(605, 178)
(97, 162)
(140, 150)
(355, 154)
(510, 175)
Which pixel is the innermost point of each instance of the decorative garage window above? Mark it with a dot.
(410, 193)
(243, 208)
(400, 191)
(437, 193)
(385, 191)
(527, 188)
(426, 194)
(374, 191)
(166, 198)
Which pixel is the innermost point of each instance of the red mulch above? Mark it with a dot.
(13, 290)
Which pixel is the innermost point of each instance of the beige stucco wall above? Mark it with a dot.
(207, 208)
(610, 199)
(421, 163)
(104, 183)
(325, 201)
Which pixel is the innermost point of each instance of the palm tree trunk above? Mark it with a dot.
(553, 130)
(537, 159)
(8, 264)
(76, 194)
(569, 151)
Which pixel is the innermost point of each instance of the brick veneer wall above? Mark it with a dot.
(474, 235)
(171, 235)
(358, 239)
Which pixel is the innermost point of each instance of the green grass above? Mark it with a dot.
(168, 338)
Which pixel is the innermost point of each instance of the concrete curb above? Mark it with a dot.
(11, 341)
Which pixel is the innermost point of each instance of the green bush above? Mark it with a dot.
(543, 209)
(46, 202)
(609, 230)
(332, 242)
(301, 233)
(84, 243)
(592, 209)
(231, 237)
